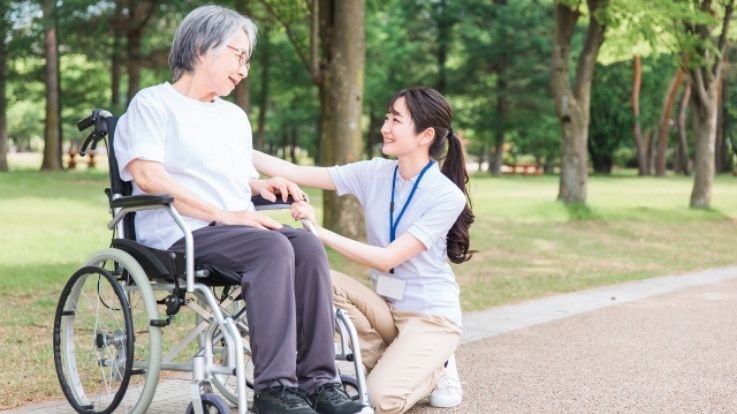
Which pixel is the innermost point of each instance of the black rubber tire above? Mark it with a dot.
(211, 404)
(102, 338)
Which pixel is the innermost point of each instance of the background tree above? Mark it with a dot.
(704, 59)
(572, 100)
(52, 126)
(4, 30)
(681, 162)
(335, 61)
(665, 120)
(512, 69)
(611, 115)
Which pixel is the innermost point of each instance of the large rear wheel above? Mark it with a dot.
(147, 344)
(93, 341)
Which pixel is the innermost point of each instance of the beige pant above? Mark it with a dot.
(404, 352)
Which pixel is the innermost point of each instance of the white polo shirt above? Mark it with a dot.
(430, 283)
(204, 146)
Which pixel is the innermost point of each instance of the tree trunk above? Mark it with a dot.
(705, 81)
(652, 149)
(341, 95)
(117, 60)
(263, 97)
(640, 145)
(682, 157)
(293, 141)
(3, 100)
(664, 123)
(140, 12)
(482, 157)
(720, 144)
(242, 95)
(116, 72)
(705, 123)
(572, 104)
(726, 125)
(52, 138)
(502, 111)
(373, 133)
(134, 63)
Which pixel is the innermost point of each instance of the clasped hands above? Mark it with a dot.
(271, 189)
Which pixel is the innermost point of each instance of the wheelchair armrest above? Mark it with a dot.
(142, 200)
(263, 204)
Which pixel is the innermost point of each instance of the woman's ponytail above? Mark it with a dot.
(454, 167)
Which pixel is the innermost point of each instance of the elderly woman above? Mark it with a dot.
(181, 138)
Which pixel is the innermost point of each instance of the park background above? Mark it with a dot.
(599, 133)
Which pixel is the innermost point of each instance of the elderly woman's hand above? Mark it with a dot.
(269, 189)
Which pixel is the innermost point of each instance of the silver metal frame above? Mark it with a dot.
(202, 365)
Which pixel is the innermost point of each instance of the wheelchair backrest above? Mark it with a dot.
(104, 129)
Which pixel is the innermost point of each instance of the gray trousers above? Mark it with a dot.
(286, 285)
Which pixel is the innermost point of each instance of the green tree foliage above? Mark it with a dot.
(490, 57)
(611, 114)
(509, 68)
(611, 108)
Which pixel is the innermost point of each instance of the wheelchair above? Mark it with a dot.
(108, 337)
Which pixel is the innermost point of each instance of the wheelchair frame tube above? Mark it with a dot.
(235, 344)
(117, 223)
(227, 325)
(346, 324)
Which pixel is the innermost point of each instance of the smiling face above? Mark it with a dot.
(223, 68)
(398, 131)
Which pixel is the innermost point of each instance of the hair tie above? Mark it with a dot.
(450, 132)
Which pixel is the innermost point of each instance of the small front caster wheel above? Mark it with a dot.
(211, 404)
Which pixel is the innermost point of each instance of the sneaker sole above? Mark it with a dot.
(438, 404)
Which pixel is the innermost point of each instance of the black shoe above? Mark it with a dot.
(332, 399)
(281, 399)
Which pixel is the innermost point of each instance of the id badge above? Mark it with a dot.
(390, 287)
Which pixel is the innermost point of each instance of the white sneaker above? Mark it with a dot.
(448, 391)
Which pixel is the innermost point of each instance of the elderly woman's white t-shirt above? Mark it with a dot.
(430, 285)
(204, 146)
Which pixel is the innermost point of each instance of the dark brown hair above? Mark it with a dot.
(429, 109)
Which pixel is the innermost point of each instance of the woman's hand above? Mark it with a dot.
(300, 210)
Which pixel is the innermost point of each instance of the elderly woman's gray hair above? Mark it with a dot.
(203, 29)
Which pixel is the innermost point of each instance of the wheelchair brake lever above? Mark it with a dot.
(86, 143)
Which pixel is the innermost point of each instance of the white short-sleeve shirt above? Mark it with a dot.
(430, 287)
(204, 146)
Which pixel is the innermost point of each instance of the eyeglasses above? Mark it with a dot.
(242, 57)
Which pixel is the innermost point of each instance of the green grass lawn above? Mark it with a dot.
(528, 246)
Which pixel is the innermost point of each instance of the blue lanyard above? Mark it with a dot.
(394, 224)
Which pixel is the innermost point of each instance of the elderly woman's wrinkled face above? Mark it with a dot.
(225, 68)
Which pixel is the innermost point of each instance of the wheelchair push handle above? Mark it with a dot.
(263, 204)
(98, 119)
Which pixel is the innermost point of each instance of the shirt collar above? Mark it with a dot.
(429, 175)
